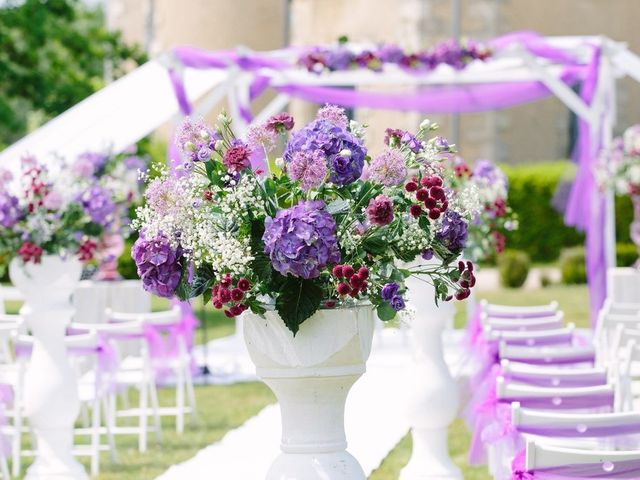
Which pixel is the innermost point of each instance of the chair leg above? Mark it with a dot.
(109, 420)
(180, 387)
(16, 448)
(95, 437)
(4, 467)
(155, 409)
(191, 395)
(144, 407)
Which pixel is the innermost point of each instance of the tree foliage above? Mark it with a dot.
(54, 54)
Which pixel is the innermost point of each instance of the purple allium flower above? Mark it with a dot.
(397, 303)
(308, 167)
(344, 151)
(389, 291)
(193, 135)
(280, 123)
(259, 137)
(10, 211)
(161, 195)
(97, 203)
(237, 157)
(158, 265)
(453, 232)
(380, 210)
(388, 168)
(302, 240)
(334, 115)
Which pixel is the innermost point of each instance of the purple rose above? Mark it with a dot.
(158, 265)
(302, 240)
(397, 303)
(427, 254)
(380, 210)
(389, 291)
(453, 231)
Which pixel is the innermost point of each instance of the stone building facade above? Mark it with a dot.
(538, 131)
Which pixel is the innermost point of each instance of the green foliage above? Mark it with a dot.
(54, 54)
(514, 268)
(542, 233)
(572, 266)
(626, 254)
(126, 265)
(298, 299)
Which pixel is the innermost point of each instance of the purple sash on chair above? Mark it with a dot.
(629, 469)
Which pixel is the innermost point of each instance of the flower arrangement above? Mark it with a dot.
(44, 212)
(487, 183)
(346, 57)
(325, 225)
(619, 166)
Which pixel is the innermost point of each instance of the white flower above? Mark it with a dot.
(634, 174)
(279, 163)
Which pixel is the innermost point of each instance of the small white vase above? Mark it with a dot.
(434, 398)
(50, 387)
(311, 375)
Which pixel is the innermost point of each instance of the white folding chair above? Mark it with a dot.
(558, 336)
(553, 376)
(573, 463)
(179, 363)
(508, 311)
(138, 375)
(548, 355)
(554, 321)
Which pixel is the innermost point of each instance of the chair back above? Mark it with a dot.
(508, 311)
(558, 336)
(523, 324)
(548, 355)
(554, 376)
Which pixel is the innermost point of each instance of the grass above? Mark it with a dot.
(222, 408)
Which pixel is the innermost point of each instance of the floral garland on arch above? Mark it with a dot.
(344, 56)
(326, 226)
(46, 212)
(619, 166)
(490, 186)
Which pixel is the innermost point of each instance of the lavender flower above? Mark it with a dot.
(334, 115)
(97, 203)
(453, 231)
(9, 210)
(344, 151)
(380, 210)
(158, 265)
(388, 168)
(302, 240)
(308, 167)
(389, 291)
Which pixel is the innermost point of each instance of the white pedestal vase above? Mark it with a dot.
(311, 375)
(50, 388)
(433, 399)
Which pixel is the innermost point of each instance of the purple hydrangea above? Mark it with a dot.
(302, 240)
(486, 170)
(453, 231)
(389, 53)
(334, 115)
(344, 151)
(98, 204)
(9, 210)
(158, 265)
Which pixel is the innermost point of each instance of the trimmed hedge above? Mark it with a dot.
(514, 268)
(542, 233)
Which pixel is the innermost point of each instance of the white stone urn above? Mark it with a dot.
(50, 386)
(311, 375)
(433, 398)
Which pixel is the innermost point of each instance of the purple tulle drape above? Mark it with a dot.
(605, 470)
(586, 205)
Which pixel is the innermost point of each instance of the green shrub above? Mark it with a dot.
(573, 269)
(126, 265)
(514, 268)
(626, 254)
(542, 233)
(545, 280)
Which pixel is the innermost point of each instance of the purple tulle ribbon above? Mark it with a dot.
(629, 469)
(595, 431)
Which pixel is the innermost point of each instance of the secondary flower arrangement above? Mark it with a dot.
(325, 225)
(47, 213)
(619, 167)
(344, 56)
(486, 237)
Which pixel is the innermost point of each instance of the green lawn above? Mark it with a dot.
(221, 408)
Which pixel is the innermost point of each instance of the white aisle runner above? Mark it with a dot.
(375, 423)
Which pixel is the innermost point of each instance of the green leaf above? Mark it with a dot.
(183, 290)
(202, 281)
(92, 229)
(298, 300)
(261, 266)
(386, 312)
(374, 243)
(338, 206)
(206, 296)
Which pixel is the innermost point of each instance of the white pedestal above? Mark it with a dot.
(311, 375)
(51, 389)
(434, 399)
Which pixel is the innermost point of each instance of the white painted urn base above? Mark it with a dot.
(434, 398)
(50, 387)
(311, 375)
